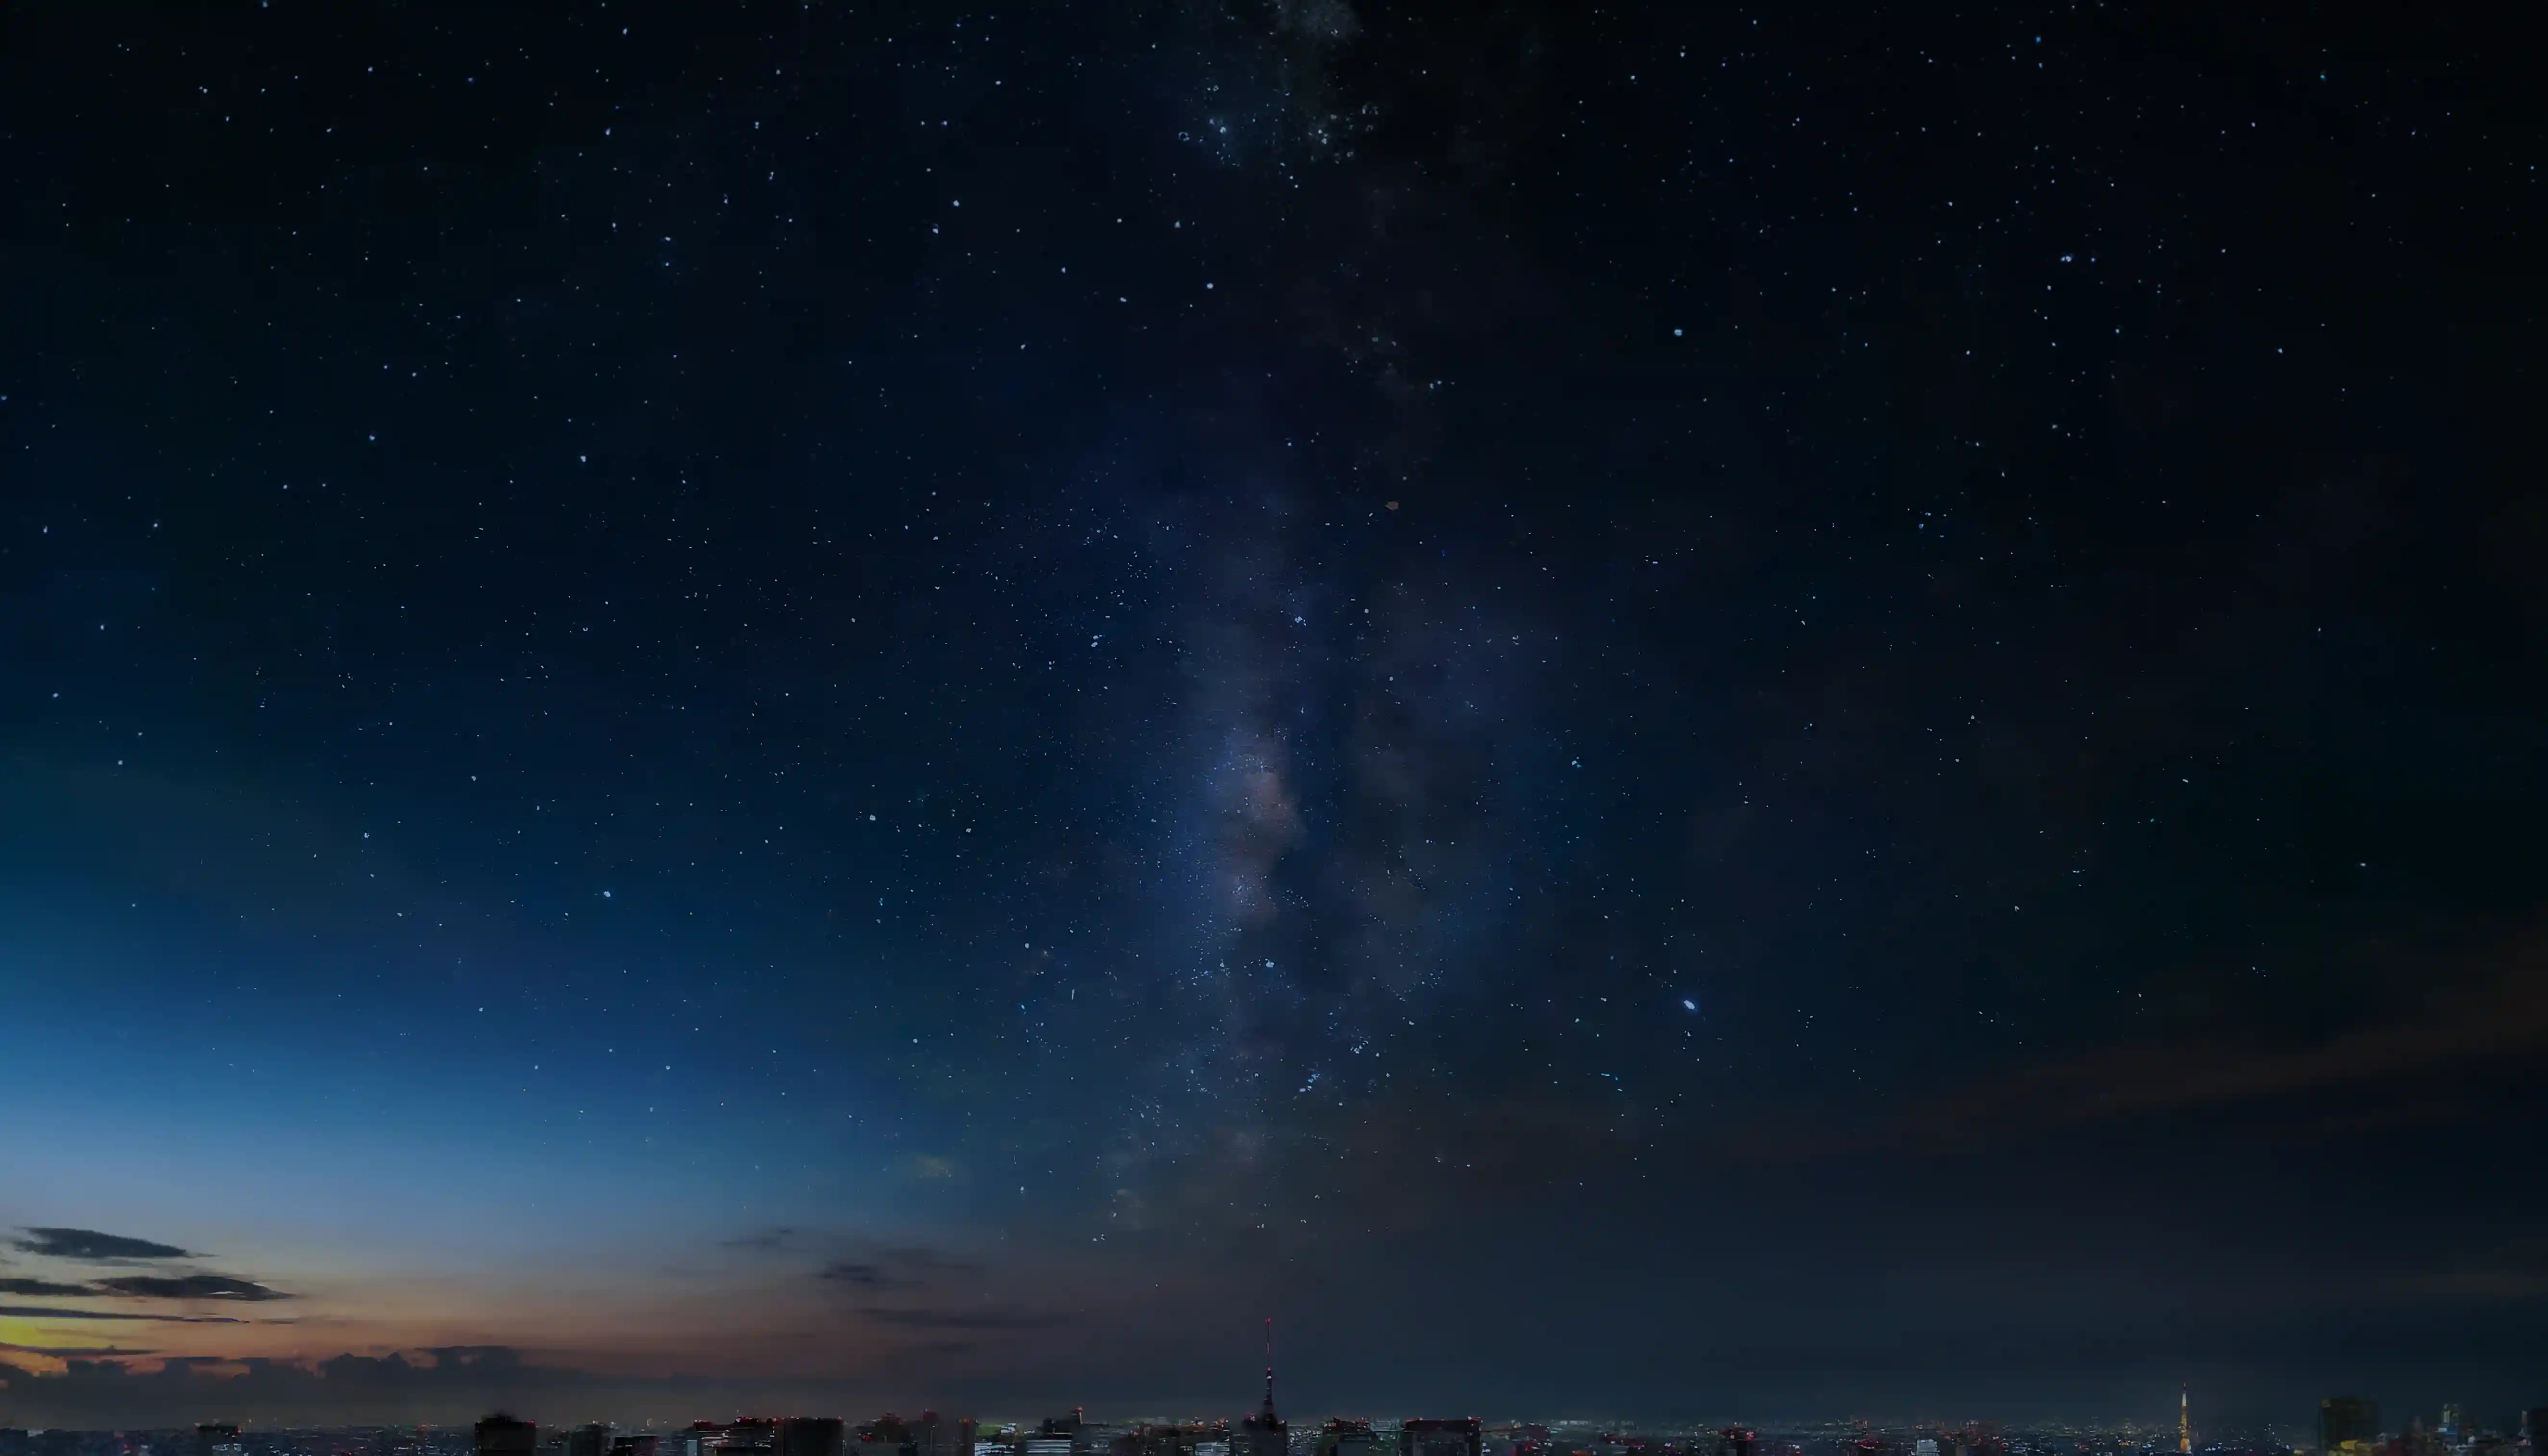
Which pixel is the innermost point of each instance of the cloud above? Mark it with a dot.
(46, 1312)
(103, 1389)
(189, 1287)
(44, 1287)
(767, 1238)
(964, 1318)
(924, 1257)
(91, 1246)
(2490, 1022)
(71, 1352)
(895, 1268)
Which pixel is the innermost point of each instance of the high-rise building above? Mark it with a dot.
(1454, 1436)
(1345, 1435)
(1055, 1436)
(501, 1434)
(2534, 1427)
(810, 1435)
(588, 1440)
(886, 1435)
(2184, 1422)
(1173, 1439)
(2348, 1423)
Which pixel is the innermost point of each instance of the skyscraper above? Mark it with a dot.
(810, 1435)
(2348, 1422)
(2184, 1424)
(1454, 1436)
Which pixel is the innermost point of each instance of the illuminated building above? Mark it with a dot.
(1174, 1438)
(1057, 1435)
(2348, 1423)
(1347, 1436)
(1455, 1436)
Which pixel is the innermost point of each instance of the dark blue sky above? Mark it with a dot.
(1673, 712)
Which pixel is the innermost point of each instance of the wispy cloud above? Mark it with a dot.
(964, 1318)
(91, 1246)
(47, 1312)
(188, 1287)
(765, 1239)
(73, 1352)
(43, 1287)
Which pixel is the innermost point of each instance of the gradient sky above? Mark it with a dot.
(1640, 712)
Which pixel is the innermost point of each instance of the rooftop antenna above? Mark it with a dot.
(1269, 1367)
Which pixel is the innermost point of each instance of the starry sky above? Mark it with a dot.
(1691, 712)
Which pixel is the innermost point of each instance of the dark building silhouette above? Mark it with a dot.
(1456, 1436)
(2342, 1418)
(588, 1440)
(635, 1445)
(212, 1435)
(811, 1435)
(886, 1435)
(1347, 1435)
(756, 1436)
(501, 1434)
(1736, 1440)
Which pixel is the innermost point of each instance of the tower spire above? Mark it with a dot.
(1269, 1367)
(2184, 1427)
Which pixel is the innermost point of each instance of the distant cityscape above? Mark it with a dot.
(2347, 1425)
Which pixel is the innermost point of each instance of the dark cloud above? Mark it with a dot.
(921, 1257)
(845, 1271)
(767, 1238)
(189, 1287)
(90, 1245)
(44, 1287)
(46, 1312)
(964, 1318)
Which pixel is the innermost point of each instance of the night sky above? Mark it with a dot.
(1653, 712)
